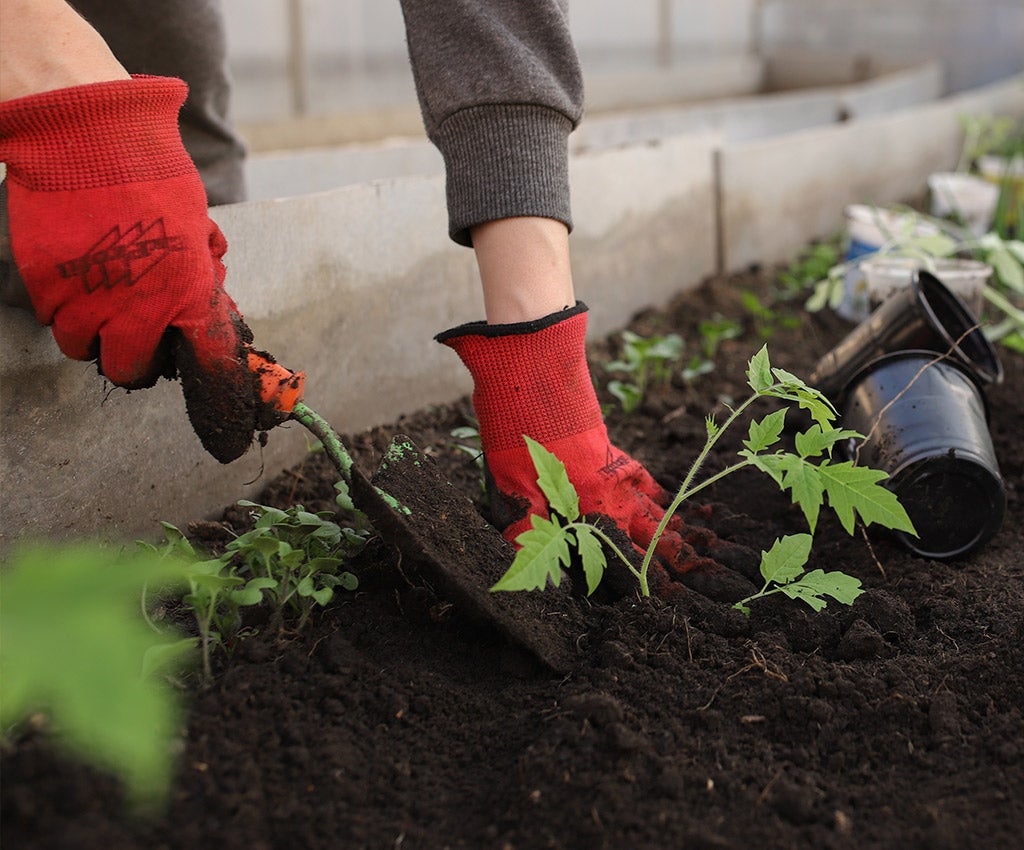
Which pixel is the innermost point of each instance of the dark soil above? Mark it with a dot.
(396, 720)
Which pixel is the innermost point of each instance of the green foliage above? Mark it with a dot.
(549, 545)
(295, 556)
(1004, 292)
(75, 649)
(713, 332)
(291, 559)
(214, 593)
(767, 320)
(782, 568)
(808, 267)
(989, 135)
(810, 475)
(648, 361)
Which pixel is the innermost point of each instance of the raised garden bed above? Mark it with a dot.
(391, 721)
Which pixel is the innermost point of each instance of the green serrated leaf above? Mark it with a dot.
(766, 433)
(768, 464)
(817, 441)
(759, 371)
(855, 489)
(592, 555)
(803, 480)
(545, 548)
(553, 481)
(785, 561)
(798, 591)
(816, 584)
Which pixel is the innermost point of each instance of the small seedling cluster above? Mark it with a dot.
(648, 362)
(810, 475)
(291, 560)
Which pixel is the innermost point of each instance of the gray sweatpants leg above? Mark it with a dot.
(186, 39)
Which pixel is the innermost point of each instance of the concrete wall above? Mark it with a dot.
(977, 41)
(287, 172)
(778, 193)
(322, 56)
(352, 283)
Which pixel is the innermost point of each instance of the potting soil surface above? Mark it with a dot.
(394, 721)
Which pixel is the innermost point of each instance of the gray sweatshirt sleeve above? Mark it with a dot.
(500, 90)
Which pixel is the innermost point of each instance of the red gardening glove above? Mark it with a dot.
(110, 232)
(532, 378)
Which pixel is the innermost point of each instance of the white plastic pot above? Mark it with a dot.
(967, 278)
(869, 228)
(968, 197)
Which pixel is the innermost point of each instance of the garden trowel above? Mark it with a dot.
(436, 530)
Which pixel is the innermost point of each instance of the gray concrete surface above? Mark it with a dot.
(289, 172)
(778, 193)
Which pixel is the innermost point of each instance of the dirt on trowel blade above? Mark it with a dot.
(461, 556)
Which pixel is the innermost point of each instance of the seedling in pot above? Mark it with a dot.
(1004, 292)
(809, 474)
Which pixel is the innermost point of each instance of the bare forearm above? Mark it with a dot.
(46, 45)
(524, 268)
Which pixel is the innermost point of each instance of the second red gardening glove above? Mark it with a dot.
(110, 233)
(532, 379)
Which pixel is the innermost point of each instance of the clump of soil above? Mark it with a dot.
(393, 720)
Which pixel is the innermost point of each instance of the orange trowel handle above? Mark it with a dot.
(279, 387)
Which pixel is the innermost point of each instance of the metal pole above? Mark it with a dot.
(664, 33)
(297, 63)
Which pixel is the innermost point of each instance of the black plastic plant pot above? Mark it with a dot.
(925, 423)
(926, 315)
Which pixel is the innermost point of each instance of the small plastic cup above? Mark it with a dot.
(868, 229)
(967, 278)
(964, 196)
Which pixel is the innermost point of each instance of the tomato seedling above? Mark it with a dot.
(809, 474)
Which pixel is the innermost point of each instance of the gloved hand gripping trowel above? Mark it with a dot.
(437, 531)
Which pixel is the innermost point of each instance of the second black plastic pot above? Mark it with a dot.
(926, 315)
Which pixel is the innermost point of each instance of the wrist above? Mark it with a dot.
(46, 45)
(99, 134)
